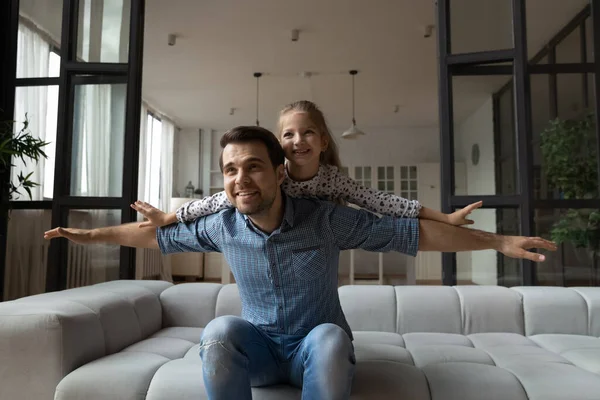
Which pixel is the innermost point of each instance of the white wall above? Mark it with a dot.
(391, 147)
(186, 160)
(479, 128)
(381, 147)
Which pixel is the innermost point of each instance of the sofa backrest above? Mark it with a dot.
(404, 309)
(127, 310)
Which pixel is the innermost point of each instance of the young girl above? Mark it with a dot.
(312, 170)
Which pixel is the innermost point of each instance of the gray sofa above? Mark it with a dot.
(139, 340)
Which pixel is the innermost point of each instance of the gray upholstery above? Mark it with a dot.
(139, 340)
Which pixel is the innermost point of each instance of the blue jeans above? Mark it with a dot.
(237, 355)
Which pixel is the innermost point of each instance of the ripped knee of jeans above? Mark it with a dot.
(213, 354)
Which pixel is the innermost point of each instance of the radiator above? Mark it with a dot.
(149, 264)
(79, 266)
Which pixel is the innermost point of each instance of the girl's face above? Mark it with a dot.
(302, 142)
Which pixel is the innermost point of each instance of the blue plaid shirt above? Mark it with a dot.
(288, 279)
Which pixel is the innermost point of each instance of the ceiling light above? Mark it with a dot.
(353, 132)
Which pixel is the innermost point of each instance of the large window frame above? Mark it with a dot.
(74, 72)
(493, 63)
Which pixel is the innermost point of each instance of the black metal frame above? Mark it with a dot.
(73, 72)
(9, 22)
(486, 63)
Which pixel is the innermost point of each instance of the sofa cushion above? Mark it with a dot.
(156, 287)
(125, 375)
(42, 342)
(556, 381)
(382, 352)
(553, 310)
(437, 354)
(193, 354)
(493, 339)
(181, 332)
(413, 340)
(591, 295)
(490, 309)
(366, 337)
(376, 380)
(467, 381)
(228, 301)
(170, 348)
(369, 308)
(178, 380)
(189, 304)
(583, 351)
(428, 309)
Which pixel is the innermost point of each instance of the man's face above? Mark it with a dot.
(251, 182)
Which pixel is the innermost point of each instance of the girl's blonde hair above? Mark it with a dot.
(330, 156)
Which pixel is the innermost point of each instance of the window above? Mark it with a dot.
(153, 150)
(408, 182)
(37, 57)
(362, 175)
(385, 179)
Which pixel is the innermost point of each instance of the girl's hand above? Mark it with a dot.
(460, 217)
(154, 215)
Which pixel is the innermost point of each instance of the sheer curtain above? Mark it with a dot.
(155, 181)
(26, 249)
(95, 147)
(166, 182)
(33, 61)
(143, 154)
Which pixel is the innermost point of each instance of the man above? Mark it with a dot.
(284, 255)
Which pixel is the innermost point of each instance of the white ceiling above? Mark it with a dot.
(222, 42)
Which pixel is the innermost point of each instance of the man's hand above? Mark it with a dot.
(81, 236)
(459, 217)
(155, 216)
(517, 246)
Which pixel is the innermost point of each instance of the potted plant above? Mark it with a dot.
(569, 156)
(20, 144)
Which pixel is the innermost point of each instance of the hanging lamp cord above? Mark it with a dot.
(353, 72)
(257, 75)
(353, 120)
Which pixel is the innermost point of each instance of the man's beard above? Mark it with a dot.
(265, 205)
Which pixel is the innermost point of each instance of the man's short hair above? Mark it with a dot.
(244, 134)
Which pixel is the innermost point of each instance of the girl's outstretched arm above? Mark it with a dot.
(342, 186)
(186, 213)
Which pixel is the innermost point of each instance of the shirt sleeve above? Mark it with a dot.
(198, 208)
(379, 202)
(201, 235)
(359, 229)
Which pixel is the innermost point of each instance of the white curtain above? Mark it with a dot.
(96, 135)
(33, 60)
(155, 178)
(26, 253)
(95, 150)
(26, 250)
(166, 182)
(143, 154)
(166, 164)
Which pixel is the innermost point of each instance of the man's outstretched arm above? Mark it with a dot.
(130, 235)
(437, 236)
